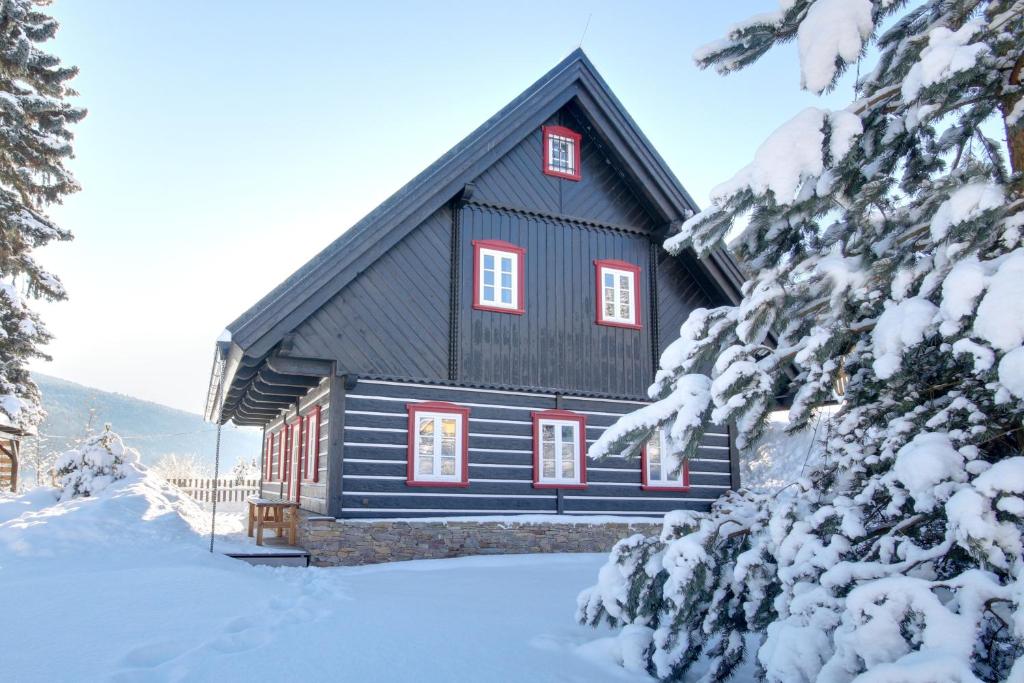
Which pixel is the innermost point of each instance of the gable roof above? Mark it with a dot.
(257, 331)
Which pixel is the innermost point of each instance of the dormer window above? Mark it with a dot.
(561, 152)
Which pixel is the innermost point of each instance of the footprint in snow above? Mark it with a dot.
(153, 654)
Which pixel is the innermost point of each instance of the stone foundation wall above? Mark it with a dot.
(332, 542)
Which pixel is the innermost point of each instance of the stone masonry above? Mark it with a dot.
(333, 542)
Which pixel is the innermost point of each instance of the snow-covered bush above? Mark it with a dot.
(98, 462)
(174, 466)
(885, 244)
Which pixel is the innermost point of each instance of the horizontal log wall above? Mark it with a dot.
(501, 459)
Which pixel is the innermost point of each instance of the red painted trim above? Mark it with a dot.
(299, 424)
(312, 421)
(286, 451)
(599, 264)
(562, 416)
(644, 477)
(498, 245)
(578, 144)
(435, 407)
(267, 456)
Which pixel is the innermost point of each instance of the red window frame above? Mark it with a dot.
(286, 451)
(435, 407)
(311, 430)
(546, 133)
(563, 416)
(645, 477)
(268, 447)
(599, 266)
(506, 247)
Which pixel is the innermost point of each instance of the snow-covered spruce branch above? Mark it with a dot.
(886, 242)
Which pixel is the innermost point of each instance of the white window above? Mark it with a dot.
(498, 276)
(437, 446)
(662, 469)
(562, 154)
(618, 298)
(558, 456)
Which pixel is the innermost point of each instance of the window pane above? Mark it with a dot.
(506, 279)
(671, 465)
(547, 432)
(488, 261)
(567, 434)
(623, 296)
(448, 427)
(654, 446)
(426, 426)
(655, 472)
(609, 280)
(609, 308)
(448, 446)
(426, 446)
(506, 265)
(426, 465)
(488, 277)
(624, 281)
(488, 293)
(448, 467)
(549, 469)
(547, 452)
(506, 296)
(568, 465)
(624, 312)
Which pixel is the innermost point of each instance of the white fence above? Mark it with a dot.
(228, 490)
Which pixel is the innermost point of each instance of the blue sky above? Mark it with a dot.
(228, 142)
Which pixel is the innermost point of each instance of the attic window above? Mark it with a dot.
(561, 152)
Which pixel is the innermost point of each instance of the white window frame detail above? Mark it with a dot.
(616, 273)
(436, 475)
(662, 481)
(556, 163)
(513, 260)
(559, 480)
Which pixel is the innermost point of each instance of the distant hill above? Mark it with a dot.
(153, 429)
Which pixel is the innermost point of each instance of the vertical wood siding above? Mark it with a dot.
(556, 344)
(680, 291)
(501, 459)
(394, 318)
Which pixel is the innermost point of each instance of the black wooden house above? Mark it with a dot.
(455, 351)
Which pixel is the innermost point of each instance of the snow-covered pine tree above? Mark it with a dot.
(885, 241)
(34, 143)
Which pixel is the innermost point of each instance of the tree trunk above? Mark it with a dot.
(1014, 133)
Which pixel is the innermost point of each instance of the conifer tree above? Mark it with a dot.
(884, 244)
(34, 144)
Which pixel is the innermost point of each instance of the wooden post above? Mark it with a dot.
(335, 441)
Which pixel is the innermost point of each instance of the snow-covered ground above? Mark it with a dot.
(121, 587)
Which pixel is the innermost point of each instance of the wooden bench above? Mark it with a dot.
(265, 513)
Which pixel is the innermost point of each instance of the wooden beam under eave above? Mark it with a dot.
(305, 367)
(268, 376)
